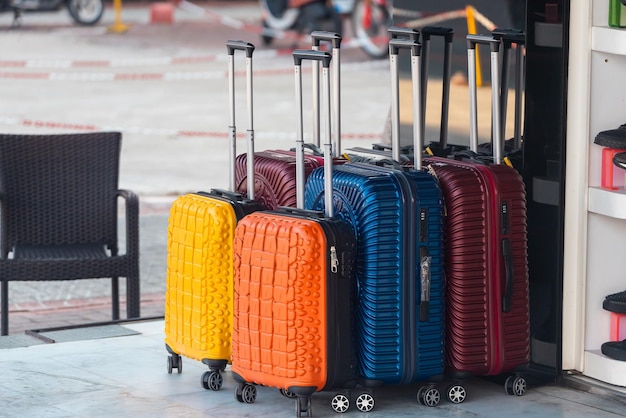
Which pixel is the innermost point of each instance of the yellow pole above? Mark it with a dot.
(471, 29)
(118, 26)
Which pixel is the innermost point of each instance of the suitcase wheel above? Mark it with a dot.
(340, 403)
(515, 385)
(245, 393)
(428, 395)
(288, 394)
(365, 402)
(456, 393)
(174, 361)
(212, 380)
(303, 406)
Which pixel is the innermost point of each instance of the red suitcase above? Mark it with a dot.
(487, 327)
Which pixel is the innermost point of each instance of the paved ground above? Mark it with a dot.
(164, 87)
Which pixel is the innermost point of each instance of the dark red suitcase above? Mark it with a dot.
(275, 170)
(487, 327)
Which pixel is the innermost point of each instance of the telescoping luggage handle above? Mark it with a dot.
(335, 40)
(233, 46)
(494, 45)
(300, 55)
(509, 38)
(395, 44)
(448, 35)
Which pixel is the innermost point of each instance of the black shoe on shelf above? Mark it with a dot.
(615, 302)
(615, 350)
(613, 138)
(619, 160)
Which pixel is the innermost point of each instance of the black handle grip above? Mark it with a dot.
(240, 45)
(510, 36)
(446, 33)
(332, 37)
(396, 44)
(473, 40)
(507, 254)
(304, 54)
(397, 32)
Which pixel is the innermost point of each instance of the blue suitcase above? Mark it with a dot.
(397, 215)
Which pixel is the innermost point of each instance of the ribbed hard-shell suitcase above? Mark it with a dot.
(199, 288)
(275, 170)
(487, 304)
(397, 215)
(294, 287)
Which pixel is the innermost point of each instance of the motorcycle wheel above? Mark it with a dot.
(370, 21)
(276, 15)
(86, 12)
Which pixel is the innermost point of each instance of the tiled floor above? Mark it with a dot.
(127, 376)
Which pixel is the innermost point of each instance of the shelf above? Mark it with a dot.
(609, 40)
(600, 367)
(605, 202)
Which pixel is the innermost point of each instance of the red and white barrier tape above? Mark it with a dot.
(44, 124)
(171, 76)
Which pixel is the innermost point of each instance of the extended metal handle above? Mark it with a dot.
(496, 118)
(325, 58)
(335, 40)
(448, 36)
(510, 37)
(233, 46)
(395, 45)
(241, 46)
(398, 32)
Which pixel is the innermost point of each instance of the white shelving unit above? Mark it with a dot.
(595, 241)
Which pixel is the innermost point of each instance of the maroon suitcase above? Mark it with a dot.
(275, 170)
(487, 327)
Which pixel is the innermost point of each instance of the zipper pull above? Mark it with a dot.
(334, 261)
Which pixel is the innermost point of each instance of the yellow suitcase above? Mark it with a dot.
(199, 284)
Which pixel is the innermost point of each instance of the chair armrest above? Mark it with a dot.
(132, 221)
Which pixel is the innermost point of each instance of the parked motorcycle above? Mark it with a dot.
(84, 12)
(369, 20)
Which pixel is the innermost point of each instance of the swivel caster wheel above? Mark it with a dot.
(365, 402)
(428, 395)
(245, 393)
(303, 406)
(212, 380)
(288, 394)
(174, 361)
(456, 393)
(515, 385)
(340, 403)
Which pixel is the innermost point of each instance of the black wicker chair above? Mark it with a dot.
(59, 214)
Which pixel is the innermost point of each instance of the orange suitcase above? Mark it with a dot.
(294, 287)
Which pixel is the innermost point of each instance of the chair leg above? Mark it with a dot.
(115, 298)
(4, 306)
(133, 297)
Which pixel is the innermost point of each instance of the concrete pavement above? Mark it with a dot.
(164, 87)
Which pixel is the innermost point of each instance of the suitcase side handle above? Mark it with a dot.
(233, 46)
(507, 254)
